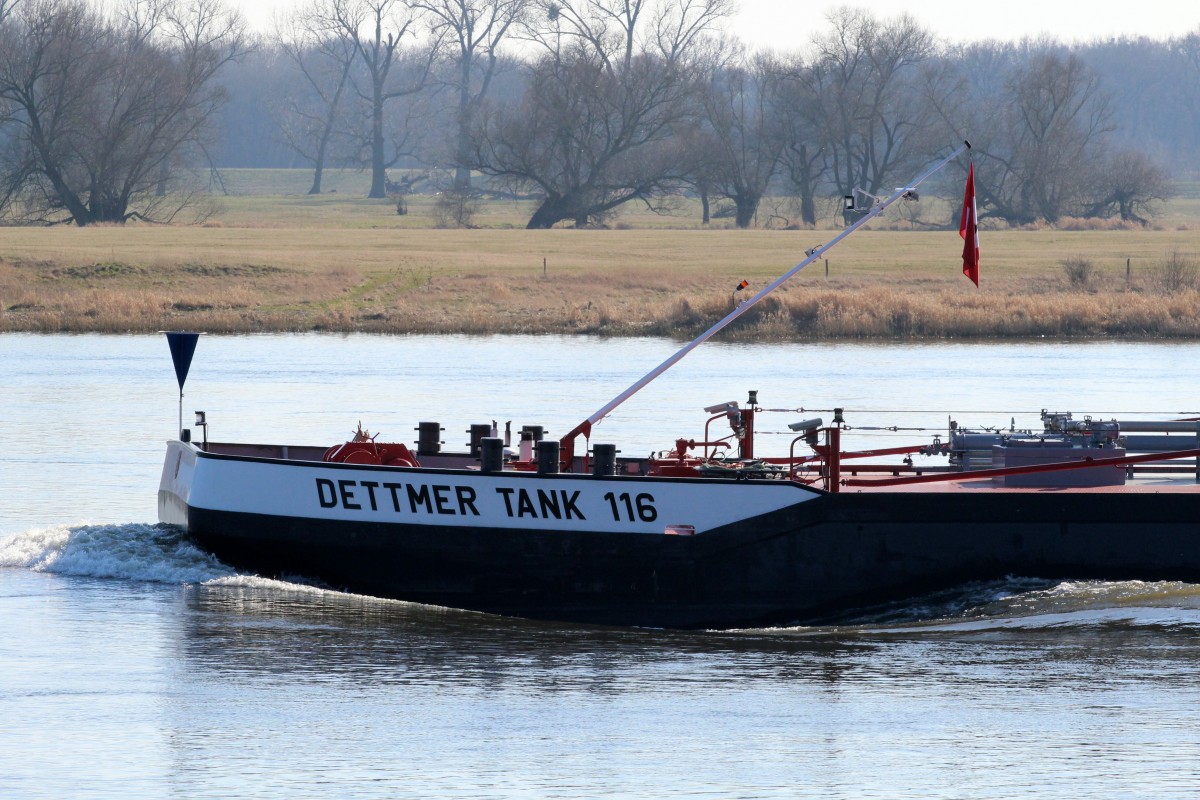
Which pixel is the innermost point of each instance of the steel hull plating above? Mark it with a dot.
(811, 557)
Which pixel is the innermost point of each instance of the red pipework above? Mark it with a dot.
(835, 459)
(830, 453)
(707, 434)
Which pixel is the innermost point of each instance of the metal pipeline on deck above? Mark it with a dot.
(1168, 426)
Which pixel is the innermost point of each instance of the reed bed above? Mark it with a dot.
(880, 284)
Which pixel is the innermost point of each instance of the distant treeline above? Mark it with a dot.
(582, 105)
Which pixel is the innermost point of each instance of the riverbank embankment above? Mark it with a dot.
(887, 284)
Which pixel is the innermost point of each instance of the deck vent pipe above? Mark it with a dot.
(604, 459)
(478, 432)
(429, 438)
(491, 457)
(547, 457)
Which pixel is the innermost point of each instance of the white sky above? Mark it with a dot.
(784, 23)
(789, 24)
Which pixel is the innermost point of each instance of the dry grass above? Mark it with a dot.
(363, 268)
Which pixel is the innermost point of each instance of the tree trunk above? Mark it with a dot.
(808, 208)
(462, 151)
(552, 210)
(79, 212)
(327, 129)
(1126, 207)
(462, 178)
(705, 215)
(803, 179)
(747, 206)
(319, 162)
(107, 209)
(378, 171)
(164, 174)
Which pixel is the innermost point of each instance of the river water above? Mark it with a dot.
(134, 665)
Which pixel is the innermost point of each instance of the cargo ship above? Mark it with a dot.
(706, 532)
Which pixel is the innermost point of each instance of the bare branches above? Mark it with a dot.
(745, 133)
(378, 29)
(105, 106)
(617, 31)
(864, 76)
(471, 33)
(323, 54)
(6, 9)
(600, 120)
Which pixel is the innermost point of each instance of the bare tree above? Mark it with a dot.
(596, 127)
(104, 105)
(1059, 115)
(746, 132)
(7, 41)
(1128, 184)
(378, 28)
(1042, 127)
(805, 156)
(863, 78)
(574, 139)
(323, 55)
(471, 33)
(1040, 136)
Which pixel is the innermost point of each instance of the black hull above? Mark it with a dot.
(810, 562)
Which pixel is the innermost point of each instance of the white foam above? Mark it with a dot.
(279, 587)
(1081, 618)
(158, 553)
(133, 551)
(1027, 604)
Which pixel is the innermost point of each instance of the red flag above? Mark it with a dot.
(968, 228)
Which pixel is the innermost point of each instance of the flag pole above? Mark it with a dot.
(183, 347)
(567, 443)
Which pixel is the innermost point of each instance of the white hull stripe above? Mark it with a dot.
(467, 499)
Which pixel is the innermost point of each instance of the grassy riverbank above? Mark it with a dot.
(295, 263)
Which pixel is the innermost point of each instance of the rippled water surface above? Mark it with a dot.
(134, 665)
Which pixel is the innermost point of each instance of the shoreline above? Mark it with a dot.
(882, 314)
(885, 286)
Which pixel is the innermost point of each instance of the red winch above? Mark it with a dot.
(363, 449)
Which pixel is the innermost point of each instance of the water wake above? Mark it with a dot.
(164, 554)
(158, 553)
(1032, 604)
(141, 552)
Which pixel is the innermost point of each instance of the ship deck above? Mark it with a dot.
(1146, 480)
(1149, 485)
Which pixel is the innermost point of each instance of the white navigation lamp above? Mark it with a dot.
(202, 423)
